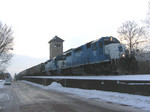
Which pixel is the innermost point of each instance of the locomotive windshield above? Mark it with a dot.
(110, 41)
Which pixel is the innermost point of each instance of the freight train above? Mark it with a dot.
(103, 56)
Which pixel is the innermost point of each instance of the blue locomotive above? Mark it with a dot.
(99, 57)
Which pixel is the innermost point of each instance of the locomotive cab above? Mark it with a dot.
(114, 48)
(121, 63)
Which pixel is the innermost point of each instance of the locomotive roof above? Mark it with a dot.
(102, 38)
(97, 39)
(68, 50)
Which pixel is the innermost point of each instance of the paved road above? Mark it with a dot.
(22, 97)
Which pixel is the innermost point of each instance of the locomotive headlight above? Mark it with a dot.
(123, 55)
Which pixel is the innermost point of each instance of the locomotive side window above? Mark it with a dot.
(94, 46)
(100, 44)
(107, 42)
(88, 45)
(77, 49)
(110, 41)
(68, 54)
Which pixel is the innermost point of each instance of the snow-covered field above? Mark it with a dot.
(138, 101)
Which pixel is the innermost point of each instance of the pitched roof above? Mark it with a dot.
(56, 39)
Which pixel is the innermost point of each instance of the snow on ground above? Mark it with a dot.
(1, 83)
(3, 97)
(140, 77)
(139, 101)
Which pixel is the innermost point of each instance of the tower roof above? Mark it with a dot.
(56, 39)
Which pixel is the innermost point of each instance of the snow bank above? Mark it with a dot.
(3, 98)
(1, 83)
(139, 101)
(54, 85)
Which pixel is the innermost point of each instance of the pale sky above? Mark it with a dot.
(35, 22)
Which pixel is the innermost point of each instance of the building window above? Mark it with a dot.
(57, 45)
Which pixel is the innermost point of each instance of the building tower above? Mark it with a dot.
(56, 47)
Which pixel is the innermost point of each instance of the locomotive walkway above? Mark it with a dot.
(22, 97)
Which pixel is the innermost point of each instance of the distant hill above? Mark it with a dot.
(21, 62)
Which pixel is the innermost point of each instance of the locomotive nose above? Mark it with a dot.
(115, 51)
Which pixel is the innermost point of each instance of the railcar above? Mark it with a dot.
(36, 70)
(20, 75)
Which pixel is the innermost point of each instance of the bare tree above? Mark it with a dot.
(147, 19)
(132, 35)
(6, 44)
